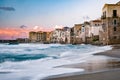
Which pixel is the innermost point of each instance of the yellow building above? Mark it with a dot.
(33, 36)
(48, 37)
(39, 36)
(110, 33)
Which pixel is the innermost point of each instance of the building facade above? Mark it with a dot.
(33, 36)
(66, 36)
(61, 35)
(110, 33)
(96, 25)
(85, 32)
(39, 36)
(77, 34)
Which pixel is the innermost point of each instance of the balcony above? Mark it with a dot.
(115, 16)
(103, 17)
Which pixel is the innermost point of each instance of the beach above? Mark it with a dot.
(102, 66)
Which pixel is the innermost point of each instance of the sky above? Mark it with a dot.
(18, 17)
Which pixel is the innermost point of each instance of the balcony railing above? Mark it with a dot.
(115, 16)
(103, 17)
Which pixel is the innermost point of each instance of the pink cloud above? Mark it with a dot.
(13, 33)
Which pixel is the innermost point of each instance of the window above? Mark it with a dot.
(115, 37)
(104, 14)
(115, 22)
(114, 13)
(115, 29)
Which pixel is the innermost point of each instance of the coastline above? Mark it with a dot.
(115, 52)
(103, 66)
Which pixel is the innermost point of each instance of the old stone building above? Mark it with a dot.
(56, 36)
(77, 34)
(95, 30)
(66, 36)
(85, 32)
(33, 36)
(110, 33)
(61, 35)
(48, 37)
(39, 36)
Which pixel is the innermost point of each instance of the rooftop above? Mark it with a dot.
(117, 4)
(96, 20)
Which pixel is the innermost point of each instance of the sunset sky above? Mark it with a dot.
(18, 17)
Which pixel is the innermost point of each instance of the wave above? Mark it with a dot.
(20, 57)
(36, 61)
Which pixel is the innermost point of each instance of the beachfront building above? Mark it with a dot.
(39, 36)
(66, 36)
(72, 35)
(56, 36)
(61, 35)
(44, 37)
(48, 37)
(90, 31)
(33, 36)
(77, 34)
(22, 40)
(85, 32)
(110, 33)
(95, 29)
(87, 26)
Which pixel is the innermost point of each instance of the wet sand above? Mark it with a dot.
(102, 66)
(115, 52)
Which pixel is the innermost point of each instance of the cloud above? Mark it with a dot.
(36, 27)
(7, 8)
(23, 26)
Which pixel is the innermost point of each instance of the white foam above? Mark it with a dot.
(38, 69)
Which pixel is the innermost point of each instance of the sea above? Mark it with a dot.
(37, 61)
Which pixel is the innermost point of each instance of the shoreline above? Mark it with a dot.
(111, 53)
(104, 66)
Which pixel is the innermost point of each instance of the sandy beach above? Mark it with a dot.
(102, 66)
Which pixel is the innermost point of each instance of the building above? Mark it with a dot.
(110, 32)
(85, 32)
(66, 36)
(48, 37)
(22, 40)
(61, 35)
(33, 36)
(44, 37)
(56, 36)
(39, 36)
(72, 35)
(95, 29)
(77, 34)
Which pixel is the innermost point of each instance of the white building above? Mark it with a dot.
(61, 35)
(95, 27)
(90, 31)
(66, 36)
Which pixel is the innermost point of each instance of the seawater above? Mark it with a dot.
(36, 61)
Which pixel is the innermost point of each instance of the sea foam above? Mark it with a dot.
(34, 68)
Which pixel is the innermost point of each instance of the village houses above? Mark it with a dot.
(110, 33)
(100, 31)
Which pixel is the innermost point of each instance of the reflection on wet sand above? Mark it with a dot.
(97, 63)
